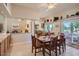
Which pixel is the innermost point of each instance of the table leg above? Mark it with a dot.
(43, 49)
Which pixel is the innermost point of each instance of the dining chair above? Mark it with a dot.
(62, 36)
(63, 41)
(51, 47)
(36, 45)
(61, 45)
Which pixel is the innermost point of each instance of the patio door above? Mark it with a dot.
(71, 30)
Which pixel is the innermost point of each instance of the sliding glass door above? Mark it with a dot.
(71, 30)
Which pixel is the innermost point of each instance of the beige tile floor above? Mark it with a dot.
(23, 48)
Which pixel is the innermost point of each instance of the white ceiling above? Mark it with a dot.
(39, 10)
(43, 6)
(32, 5)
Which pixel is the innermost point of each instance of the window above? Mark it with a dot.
(49, 27)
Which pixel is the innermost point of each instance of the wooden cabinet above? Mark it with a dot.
(5, 41)
(2, 48)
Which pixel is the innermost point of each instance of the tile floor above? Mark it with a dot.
(23, 48)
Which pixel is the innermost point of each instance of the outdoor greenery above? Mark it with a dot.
(72, 27)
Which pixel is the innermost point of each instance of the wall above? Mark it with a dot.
(2, 21)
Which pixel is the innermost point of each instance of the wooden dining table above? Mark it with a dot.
(44, 40)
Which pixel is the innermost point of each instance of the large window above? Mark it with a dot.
(71, 30)
(71, 26)
(67, 27)
(75, 26)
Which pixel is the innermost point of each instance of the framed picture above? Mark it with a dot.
(56, 18)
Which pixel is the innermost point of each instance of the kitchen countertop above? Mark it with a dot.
(3, 36)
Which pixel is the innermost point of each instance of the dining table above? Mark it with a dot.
(44, 40)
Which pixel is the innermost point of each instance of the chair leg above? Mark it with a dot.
(59, 50)
(35, 52)
(50, 52)
(32, 49)
(56, 51)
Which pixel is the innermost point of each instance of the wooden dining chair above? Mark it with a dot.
(51, 46)
(62, 36)
(36, 45)
(61, 45)
(63, 41)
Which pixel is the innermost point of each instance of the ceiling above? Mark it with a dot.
(39, 10)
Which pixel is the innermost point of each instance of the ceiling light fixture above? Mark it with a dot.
(19, 20)
(51, 5)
